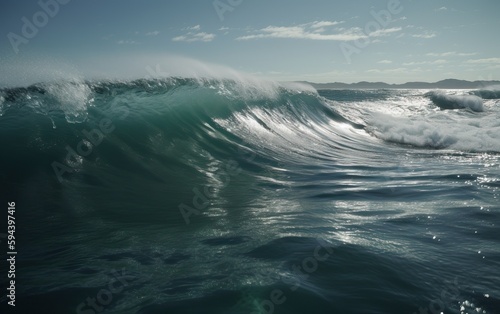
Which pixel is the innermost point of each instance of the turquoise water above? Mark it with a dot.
(214, 196)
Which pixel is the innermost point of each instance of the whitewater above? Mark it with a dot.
(239, 195)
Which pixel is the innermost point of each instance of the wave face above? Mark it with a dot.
(492, 92)
(324, 198)
(444, 101)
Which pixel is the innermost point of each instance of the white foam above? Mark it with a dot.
(439, 131)
(72, 97)
(2, 100)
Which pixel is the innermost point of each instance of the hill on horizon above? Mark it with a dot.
(443, 84)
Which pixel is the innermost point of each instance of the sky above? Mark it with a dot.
(314, 40)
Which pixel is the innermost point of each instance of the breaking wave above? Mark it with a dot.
(444, 101)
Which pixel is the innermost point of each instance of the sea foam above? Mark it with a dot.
(439, 131)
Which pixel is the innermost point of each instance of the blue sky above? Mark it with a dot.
(315, 40)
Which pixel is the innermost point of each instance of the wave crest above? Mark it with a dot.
(492, 92)
(444, 101)
(73, 98)
(438, 132)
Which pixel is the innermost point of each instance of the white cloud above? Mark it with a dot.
(385, 31)
(435, 62)
(485, 61)
(425, 35)
(442, 9)
(126, 42)
(192, 37)
(194, 34)
(451, 54)
(300, 33)
(224, 29)
(385, 62)
(155, 33)
(317, 30)
(303, 32)
(322, 24)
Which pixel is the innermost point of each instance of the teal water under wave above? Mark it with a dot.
(223, 196)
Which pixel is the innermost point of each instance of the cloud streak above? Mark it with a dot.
(322, 24)
(195, 35)
(317, 31)
(426, 35)
(385, 32)
(451, 54)
(435, 62)
(485, 61)
(192, 37)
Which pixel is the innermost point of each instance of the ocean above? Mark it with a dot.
(203, 195)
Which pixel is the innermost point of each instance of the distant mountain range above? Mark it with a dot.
(444, 84)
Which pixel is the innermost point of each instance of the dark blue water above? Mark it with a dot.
(189, 196)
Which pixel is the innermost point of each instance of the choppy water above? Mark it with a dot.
(213, 196)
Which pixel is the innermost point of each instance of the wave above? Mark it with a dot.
(492, 92)
(444, 101)
(70, 98)
(160, 126)
(74, 98)
(182, 120)
(438, 131)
